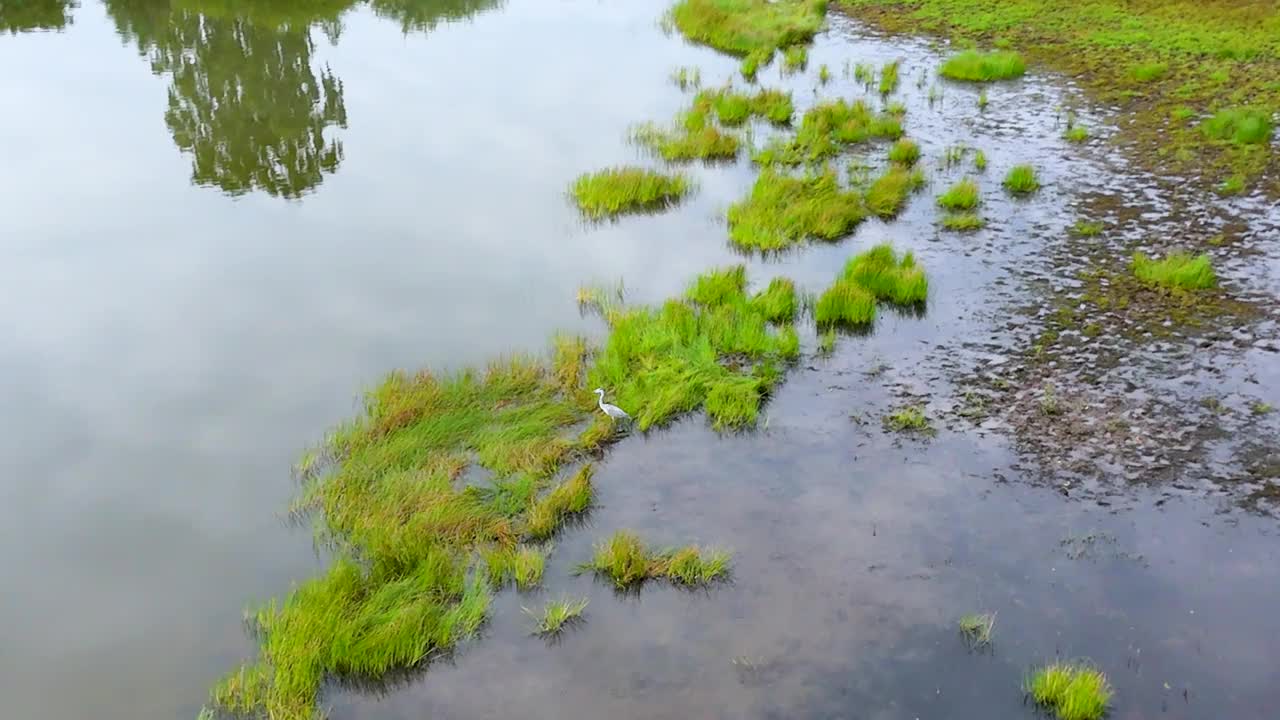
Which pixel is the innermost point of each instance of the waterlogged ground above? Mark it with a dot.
(182, 329)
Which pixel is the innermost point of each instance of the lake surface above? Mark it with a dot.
(218, 228)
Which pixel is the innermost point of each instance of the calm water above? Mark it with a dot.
(218, 227)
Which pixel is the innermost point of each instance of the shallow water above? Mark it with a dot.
(200, 279)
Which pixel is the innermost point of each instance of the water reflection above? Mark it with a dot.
(27, 15)
(246, 101)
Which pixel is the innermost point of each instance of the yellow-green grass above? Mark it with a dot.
(718, 286)
(888, 276)
(1087, 228)
(963, 195)
(664, 361)
(783, 210)
(827, 342)
(826, 128)
(1146, 72)
(627, 561)
(733, 108)
(569, 499)
(749, 27)
(1176, 271)
(904, 152)
(777, 302)
(625, 189)
(977, 629)
(1076, 134)
(1021, 180)
(908, 419)
(824, 74)
(979, 161)
(556, 615)
(974, 66)
(1217, 55)
(1242, 126)
(523, 565)
(795, 58)
(886, 196)
(889, 77)
(1071, 691)
(693, 137)
(963, 221)
(845, 303)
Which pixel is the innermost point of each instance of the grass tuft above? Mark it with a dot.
(886, 196)
(1072, 691)
(571, 497)
(524, 565)
(1177, 271)
(1076, 134)
(734, 108)
(980, 161)
(887, 276)
(618, 190)
(557, 615)
(908, 419)
(904, 152)
(693, 137)
(977, 629)
(782, 211)
(889, 78)
(974, 66)
(845, 303)
(963, 221)
(1086, 228)
(961, 196)
(828, 127)
(1242, 126)
(1021, 180)
(777, 303)
(721, 286)
(795, 58)
(625, 560)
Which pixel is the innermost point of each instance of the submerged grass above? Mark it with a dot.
(1177, 271)
(783, 210)
(1072, 691)
(963, 195)
(556, 615)
(749, 27)
(974, 66)
(1021, 180)
(627, 561)
(978, 628)
(828, 127)
(619, 190)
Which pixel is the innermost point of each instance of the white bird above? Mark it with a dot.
(613, 411)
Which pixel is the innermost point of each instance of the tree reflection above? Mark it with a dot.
(26, 15)
(245, 101)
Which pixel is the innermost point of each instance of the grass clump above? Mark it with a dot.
(557, 615)
(904, 152)
(523, 564)
(1242, 126)
(1146, 72)
(963, 221)
(980, 161)
(974, 66)
(826, 128)
(1087, 228)
(778, 301)
(908, 419)
(977, 629)
(961, 196)
(783, 210)
(694, 137)
(845, 303)
(1021, 180)
(795, 58)
(1076, 134)
(889, 77)
(888, 193)
(734, 108)
(1071, 691)
(618, 190)
(625, 560)
(748, 27)
(824, 74)
(887, 276)
(566, 500)
(1177, 271)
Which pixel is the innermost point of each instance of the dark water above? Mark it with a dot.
(221, 221)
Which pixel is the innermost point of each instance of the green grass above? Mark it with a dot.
(1178, 271)
(982, 99)
(977, 629)
(845, 303)
(619, 190)
(980, 161)
(827, 342)
(1071, 691)
(782, 211)
(904, 152)
(524, 565)
(1021, 180)
(1242, 126)
(963, 195)
(888, 276)
(693, 137)
(778, 301)
(828, 127)
(886, 195)
(963, 221)
(1076, 134)
(627, 561)
(686, 78)
(718, 286)
(568, 499)
(734, 108)
(974, 66)
(1147, 72)
(746, 27)
(557, 615)
(1261, 408)
(795, 58)
(1233, 185)
(824, 74)
(889, 77)
(908, 419)
(1086, 228)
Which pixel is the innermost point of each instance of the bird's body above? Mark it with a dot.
(613, 411)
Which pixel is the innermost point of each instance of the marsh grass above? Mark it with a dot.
(1076, 134)
(1233, 185)
(777, 302)
(904, 152)
(886, 196)
(888, 276)
(908, 419)
(824, 74)
(982, 99)
(963, 195)
(845, 303)
(974, 66)
(889, 77)
(1242, 126)
(733, 108)
(686, 78)
(557, 615)
(1177, 271)
(524, 565)
(963, 221)
(980, 161)
(977, 629)
(748, 27)
(783, 210)
(627, 189)
(795, 59)
(627, 561)
(693, 137)
(827, 342)
(828, 127)
(570, 498)
(1021, 180)
(1147, 72)
(1087, 228)
(1071, 691)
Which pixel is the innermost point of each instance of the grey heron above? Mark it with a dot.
(613, 411)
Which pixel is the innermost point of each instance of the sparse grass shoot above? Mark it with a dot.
(977, 629)
(693, 137)
(1177, 271)
(625, 560)
(783, 210)
(827, 342)
(733, 108)
(824, 74)
(974, 66)
(1021, 180)
(963, 195)
(889, 77)
(557, 615)
(826, 128)
(618, 190)
(1072, 691)
(982, 99)
(980, 161)
(795, 58)
(686, 78)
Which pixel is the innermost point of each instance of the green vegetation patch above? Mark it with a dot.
(749, 27)
(523, 565)
(845, 303)
(977, 629)
(619, 190)
(1071, 691)
(826, 128)
(778, 301)
(888, 193)
(888, 276)
(904, 152)
(963, 195)
(974, 66)
(963, 221)
(693, 137)
(1178, 271)
(908, 419)
(733, 108)
(557, 615)
(627, 561)
(783, 210)
(795, 58)
(1242, 126)
(1147, 72)
(1076, 134)
(889, 77)
(1021, 180)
